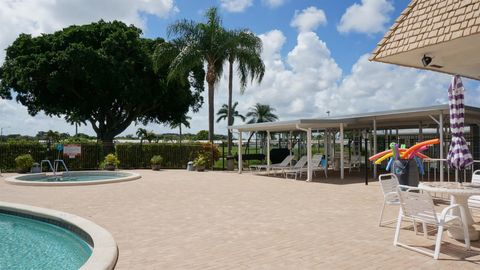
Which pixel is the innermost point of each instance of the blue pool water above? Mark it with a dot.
(74, 177)
(31, 244)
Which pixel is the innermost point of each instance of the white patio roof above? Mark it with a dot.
(404, 118)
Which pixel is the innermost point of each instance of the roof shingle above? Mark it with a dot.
(428, 22)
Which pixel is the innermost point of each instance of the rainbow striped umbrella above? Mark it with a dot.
(458, 156)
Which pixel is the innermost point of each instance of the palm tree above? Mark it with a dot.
(150, 136)
(260, 113)
(223, 114)
(245, 48)
(184, 120)
(201, 43)
(141, 134)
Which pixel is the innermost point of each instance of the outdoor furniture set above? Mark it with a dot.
(417, 206)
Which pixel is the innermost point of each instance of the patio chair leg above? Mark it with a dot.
(466, 233)
(397, 230)
(438, 242)
(415, 227)
(381, 215)
(424, 227)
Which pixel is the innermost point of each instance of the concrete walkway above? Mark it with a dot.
(215, 220)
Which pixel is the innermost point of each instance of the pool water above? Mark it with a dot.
(32, 244)
(74, 177)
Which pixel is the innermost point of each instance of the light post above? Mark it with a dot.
(1, 131)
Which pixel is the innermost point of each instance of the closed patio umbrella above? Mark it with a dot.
(459, 156)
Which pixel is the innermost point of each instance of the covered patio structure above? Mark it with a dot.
(369, 125)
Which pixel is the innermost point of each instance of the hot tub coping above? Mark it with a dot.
(14, 181)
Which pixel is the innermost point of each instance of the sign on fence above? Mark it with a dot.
(72, 150)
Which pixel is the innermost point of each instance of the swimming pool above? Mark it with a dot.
(39, 238)
(73, 178)
(32, 244)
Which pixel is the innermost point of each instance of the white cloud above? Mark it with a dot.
(235, 5)
(45, 16)
(308, 19)
(289, 83)
(371, 16)
(372, 86)
(273, 3)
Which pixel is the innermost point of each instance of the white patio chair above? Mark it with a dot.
(284, 163)
(474, 201)
(418, 206)
(388, 183)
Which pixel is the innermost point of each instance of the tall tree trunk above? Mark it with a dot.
(229, 115)
(180, 133)
(107, 145)
(211, 113)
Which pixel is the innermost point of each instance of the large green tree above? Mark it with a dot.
(244, 48)
(204, 42)
(101, 73)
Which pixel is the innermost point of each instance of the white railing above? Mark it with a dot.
(432, 171)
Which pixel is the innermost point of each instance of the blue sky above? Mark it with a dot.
(345, 48)
(315, 52)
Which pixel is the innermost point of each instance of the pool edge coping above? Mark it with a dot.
(14, 181)
(105, 250)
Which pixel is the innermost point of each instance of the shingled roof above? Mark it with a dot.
(428, 22)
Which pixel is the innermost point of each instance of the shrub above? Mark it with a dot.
(24, 163)
(110, 160)
(156, 160)
(207, 149)
(200, 161)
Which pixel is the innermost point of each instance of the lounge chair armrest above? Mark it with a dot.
(447, 209)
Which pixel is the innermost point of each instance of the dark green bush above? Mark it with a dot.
(175, 156)
(131, 155)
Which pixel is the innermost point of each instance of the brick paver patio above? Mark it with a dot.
(215, 220)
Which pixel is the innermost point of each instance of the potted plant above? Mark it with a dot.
(110, 162)
(156, 162)
(24, 163)
(200, 163)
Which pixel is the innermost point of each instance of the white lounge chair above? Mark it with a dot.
(474, 201)
(418, 206)
(317, 166)
(282, 164)
(298, 165)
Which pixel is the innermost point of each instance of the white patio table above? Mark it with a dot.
(459, 194)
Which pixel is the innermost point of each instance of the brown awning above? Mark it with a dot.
(448, 31)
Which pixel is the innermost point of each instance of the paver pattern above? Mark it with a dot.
(175, 219)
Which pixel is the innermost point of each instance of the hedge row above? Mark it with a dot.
(175, 156)
(131, 155)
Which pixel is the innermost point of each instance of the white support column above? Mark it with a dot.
(309, 155)
(420, 131)
(268, 152)
(440, 130)
(240, 161)
(342, 173)
(327, 146)
(374, 147)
